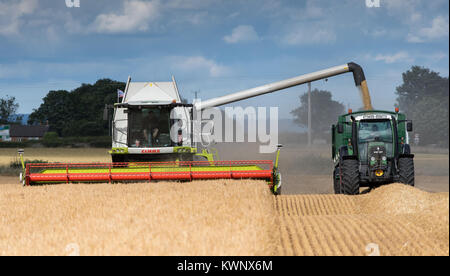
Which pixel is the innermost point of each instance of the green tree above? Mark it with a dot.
(324, 111)
(424, 97)
(79, 112)
(55, 109)
(8, 107)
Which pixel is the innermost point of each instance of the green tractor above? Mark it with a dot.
(371, 148)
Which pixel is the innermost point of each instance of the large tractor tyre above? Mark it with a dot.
(406, 170)
(349, 177)
(336, 181)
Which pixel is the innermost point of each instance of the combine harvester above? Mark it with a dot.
(141, 154)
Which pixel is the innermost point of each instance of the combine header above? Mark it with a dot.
(53, 173)
(148, 171)
(153, 139)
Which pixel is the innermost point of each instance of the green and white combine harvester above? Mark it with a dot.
(153, 138)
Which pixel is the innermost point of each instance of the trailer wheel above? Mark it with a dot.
(406, 170)
(336, 181)
(349, 177)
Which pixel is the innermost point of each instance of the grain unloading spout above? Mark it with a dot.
(357, 71)
(361, 83)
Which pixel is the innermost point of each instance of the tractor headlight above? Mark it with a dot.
(372, 158)
(383, 158)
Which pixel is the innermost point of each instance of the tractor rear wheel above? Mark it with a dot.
(336, 181)
(349, 177)
(406, 170)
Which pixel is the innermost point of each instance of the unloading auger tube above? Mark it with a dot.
(358, 75)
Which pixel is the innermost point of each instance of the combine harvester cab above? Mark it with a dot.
(152, 124)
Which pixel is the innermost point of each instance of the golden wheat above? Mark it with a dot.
(219, 218)
(199, 218)
(73, 155)
(397, 219)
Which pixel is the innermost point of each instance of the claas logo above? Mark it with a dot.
(150, 151)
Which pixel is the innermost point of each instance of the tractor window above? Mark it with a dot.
(376, 131)
(149, 127)
(379, 131)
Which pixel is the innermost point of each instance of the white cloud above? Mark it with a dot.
(399, 5)
(414, 14)
(312, 10)
(199, 63)
(234, 15)
(304, 34)
(414, 38)
(438, 56)
(308, 22)
(401, 56)
(189, 4)
(439, 29)
(11, 14)
(416, 17)
(242, 33)
(377, 33)
(135, 16)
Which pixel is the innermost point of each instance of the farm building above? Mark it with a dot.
(18, 133)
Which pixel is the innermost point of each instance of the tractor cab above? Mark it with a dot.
(372, 134)
(375, 142)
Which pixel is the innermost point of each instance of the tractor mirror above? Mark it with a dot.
(409, 126)
(340, 128)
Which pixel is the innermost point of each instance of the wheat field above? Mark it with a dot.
(391, 220)
(219, 218)
(81, 155)
(198, 218)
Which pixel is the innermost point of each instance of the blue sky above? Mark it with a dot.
(218, 47)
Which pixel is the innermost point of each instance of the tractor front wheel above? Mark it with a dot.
(406, 170)
(349, 177)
